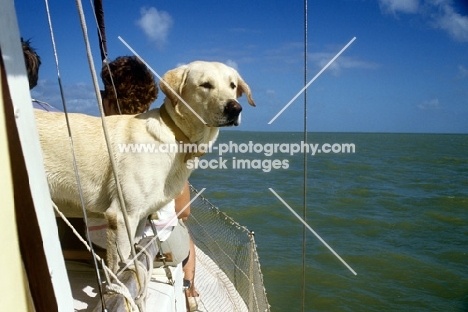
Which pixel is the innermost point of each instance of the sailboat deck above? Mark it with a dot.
(160, 295)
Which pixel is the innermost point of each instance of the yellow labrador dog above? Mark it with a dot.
(200, 98)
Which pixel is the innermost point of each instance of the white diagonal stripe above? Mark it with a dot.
(310, 82)
(313, 232)
(162, 80)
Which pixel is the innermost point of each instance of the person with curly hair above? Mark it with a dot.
(129, 87)
(32, 61)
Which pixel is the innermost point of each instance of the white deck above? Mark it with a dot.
(161, 296)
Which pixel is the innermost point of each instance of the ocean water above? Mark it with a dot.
(396, 210)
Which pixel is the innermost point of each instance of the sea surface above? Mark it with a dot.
(395, 210)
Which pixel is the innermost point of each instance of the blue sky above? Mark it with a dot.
(407, 70)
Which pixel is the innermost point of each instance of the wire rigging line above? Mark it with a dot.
(311, 81)
(106, 136)
(98, 12)
(313, 232)
(304, 191)
(125, 291)
(96, 267)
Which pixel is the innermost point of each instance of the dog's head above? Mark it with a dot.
(207, 89)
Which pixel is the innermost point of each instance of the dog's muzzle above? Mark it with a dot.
(232, 112)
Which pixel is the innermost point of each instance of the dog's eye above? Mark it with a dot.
(207, 85)
(233, 85)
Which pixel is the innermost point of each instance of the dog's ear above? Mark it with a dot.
(173, 82)
(243, 87)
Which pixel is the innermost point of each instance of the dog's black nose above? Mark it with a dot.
(232, 109)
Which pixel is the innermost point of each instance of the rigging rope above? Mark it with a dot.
(109, 146)
(119, 191)
(96, 268)
(117, 287)
(104, 126)
(304, 213)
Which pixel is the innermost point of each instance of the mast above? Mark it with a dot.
(99, 12)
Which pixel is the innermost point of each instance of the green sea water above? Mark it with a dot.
(395, 209)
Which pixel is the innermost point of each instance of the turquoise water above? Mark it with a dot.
(396, 210)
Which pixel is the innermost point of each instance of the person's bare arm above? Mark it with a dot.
(181, 201)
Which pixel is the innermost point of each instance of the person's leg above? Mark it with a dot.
(189, 271)
(189, 275)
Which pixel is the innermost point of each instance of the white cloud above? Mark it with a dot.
(438, 13)
(155, 24)
(462, 71)
(79, 97)
(452, 22)
(233, 64)
(395, 6)
(430, 105)
(342, 62)
(269, 96)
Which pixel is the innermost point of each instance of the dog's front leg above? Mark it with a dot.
(118, 244)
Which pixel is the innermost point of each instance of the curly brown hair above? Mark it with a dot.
(32, 62)
(134, 84)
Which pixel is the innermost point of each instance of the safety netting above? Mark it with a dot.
(228, 274)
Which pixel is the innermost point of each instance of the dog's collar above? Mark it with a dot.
(178, 134)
